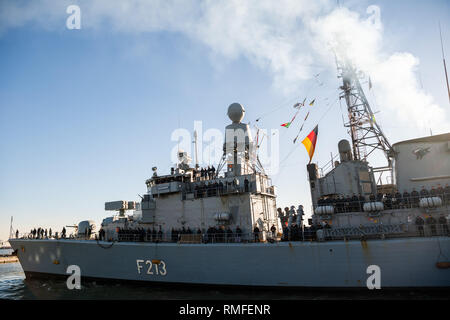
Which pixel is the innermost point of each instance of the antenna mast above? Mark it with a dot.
(11, 230)
(195, 146)
(365, 132)
(443, 59)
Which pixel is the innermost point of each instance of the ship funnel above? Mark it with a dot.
(345, 151)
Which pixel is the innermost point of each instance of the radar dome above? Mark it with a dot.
(236, 112)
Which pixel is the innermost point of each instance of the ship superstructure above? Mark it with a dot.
(351, 198)
(195, 199)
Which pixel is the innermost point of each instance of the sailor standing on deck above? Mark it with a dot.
(440, 192)
(415, 199)
(443, 222)
(256, 233)
(424, 192)
(238, 234)
(406, 199)
(432, 223)
(419, 224)
(447, 194)
(361, 200)
(273, 229)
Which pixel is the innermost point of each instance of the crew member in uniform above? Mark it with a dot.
(424, 192)
(273, 229)
(432, 223)
(354, 203)
(398, 199)
(415, 198)
(419, 224)
(447, 194)
(406, 200)
(361, 202)
(433, 192)
(347, 203)
(256, 233)
(388, 200)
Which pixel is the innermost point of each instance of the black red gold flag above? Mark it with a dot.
(310, 142)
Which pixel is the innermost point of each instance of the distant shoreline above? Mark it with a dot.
(8, 259)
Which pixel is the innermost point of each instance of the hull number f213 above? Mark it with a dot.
(151, 267)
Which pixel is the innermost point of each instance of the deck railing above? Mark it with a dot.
(389, 203)
(300, 234)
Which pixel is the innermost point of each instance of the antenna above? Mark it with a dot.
(365, 132)
(195, 146)
(443, 59)
(11, 230)
(178, 143)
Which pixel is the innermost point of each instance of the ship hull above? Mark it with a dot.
(409, 262)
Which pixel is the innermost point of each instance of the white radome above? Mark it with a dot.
(236, 112)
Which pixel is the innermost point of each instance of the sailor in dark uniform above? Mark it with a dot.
(246, 185)
(273, 229)
(388, 200)
(398, 199)
(379, 196)
(406, 199)
(361, 201)
(447, 194)
(444, 226)
(433, 192)
(419, 225)
(432, 223)
(440, 192)
(415, 198)
(256, 233)
(354, 203)
(238, 234)
(348, 202)
(340, 204)
(424, 192)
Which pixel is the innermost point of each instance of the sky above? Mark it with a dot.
(86, 113)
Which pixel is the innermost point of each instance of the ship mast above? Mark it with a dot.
(365, 132)
(443, 60)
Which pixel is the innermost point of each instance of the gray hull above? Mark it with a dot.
(410, 262)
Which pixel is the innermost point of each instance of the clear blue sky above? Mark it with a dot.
(85, 114)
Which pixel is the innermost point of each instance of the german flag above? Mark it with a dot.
(310, 142)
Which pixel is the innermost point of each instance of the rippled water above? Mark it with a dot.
(13, 285)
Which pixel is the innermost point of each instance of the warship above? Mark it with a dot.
(222, 226)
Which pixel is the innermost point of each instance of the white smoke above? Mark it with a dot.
(393, 75)
(288, 38)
